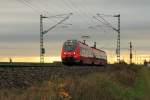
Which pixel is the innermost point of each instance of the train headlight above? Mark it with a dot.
(64, 53)
(74, 53)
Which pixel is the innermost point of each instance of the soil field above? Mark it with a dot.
(22, 77)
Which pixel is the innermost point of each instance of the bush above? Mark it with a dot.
(93, 87)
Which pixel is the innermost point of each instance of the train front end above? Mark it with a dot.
(70, 52)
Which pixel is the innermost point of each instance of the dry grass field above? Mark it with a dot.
(115, 82)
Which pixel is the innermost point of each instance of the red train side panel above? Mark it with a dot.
(74, 52)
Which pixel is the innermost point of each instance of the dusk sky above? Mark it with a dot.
(20, 26)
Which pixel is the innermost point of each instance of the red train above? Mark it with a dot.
(76, 52)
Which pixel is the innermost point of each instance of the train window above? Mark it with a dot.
(81, 51)
(70, 45)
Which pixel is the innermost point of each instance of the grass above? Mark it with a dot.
(119, 83)
(146, 83)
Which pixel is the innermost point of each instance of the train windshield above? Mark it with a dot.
(70, 45)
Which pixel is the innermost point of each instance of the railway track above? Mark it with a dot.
(23, 64)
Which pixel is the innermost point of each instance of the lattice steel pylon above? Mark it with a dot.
(105, 22)
(118, 39)
(42, 32)
(131, 55)
(42, 49)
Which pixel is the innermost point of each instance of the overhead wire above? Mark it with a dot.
(106, 15)
(77, 10)
(89, 15)
(55, 10)
(29, 5)
(40, 5)
(55, 17)
(107, 23)
(88, 12)
(104, 22)
(58, 6)
(34, 6)
(71, 5)
(45, 6)
(86, 15)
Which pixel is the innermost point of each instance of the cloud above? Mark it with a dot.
(21, 24)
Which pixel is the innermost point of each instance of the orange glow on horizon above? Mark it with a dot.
(138, 59)
(30, 59)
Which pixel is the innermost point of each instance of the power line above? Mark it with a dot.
(78, 11)
(88, 14)
(107, 23)
(34, 6)
(85, 10)
(116, 29)
(44, 6)
(29, 5)
(104, 15)
(89, 20)
(104, 23)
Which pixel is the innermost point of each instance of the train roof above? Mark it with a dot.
(72, 40)
(97, 49)
(85, 45)
(91, 47)
(82, 43)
